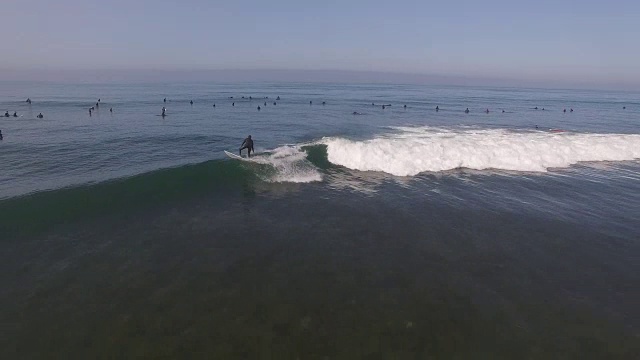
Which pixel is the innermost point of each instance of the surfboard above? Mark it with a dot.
(234, 156)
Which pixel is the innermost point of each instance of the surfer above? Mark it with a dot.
(571, 110)
(278, 98)
(247, 144)
(164, 110)
(165, 100)
(29, 101)
(6, 114)
(15, 114)
(437, 108)
(111, 110)
(487, 111)
(564, 111)
(191, 102)
(466, 111)
(40, 116)
(233, 104)
(1, 135)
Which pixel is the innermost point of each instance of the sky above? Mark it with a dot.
(557, 42)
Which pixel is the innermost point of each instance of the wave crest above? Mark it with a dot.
(426, 149)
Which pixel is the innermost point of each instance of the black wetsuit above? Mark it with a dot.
(247, 144)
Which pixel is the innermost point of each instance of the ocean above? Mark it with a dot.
(355, 232)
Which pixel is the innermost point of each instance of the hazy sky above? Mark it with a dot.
(558, 41)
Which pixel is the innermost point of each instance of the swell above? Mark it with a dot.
(37, 212)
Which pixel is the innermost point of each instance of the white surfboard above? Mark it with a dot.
(234, 156)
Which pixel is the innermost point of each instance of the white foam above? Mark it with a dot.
(411, 151)
(290, 164)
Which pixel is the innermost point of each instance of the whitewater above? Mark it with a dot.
(409, 151)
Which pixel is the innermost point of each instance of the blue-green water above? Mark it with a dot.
(396, 232)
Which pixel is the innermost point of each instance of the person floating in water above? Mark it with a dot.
(29, 101)
(247, 144)
(466, 111)
(40, 116)
(15, 114)
(164, 110)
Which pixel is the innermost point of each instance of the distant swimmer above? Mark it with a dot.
(89, 111)
(258, 107)
(466, 111)
(243, 97)
(405, 106)
(437, 108)
(324, 103)
(247, 144)
(1, 137)
(383, 107)
(250, 98)
(29, 101)
(564, 111)
(15, 114)
(214, 105)
(487, 111)
(356, 113)
(165, 100)
(278, 98)
(230, 97)
(111, 110)
(191, 102)
(571, 110)
(536, 108)
(310, 102)
(274, 103)
(6, 114)
(98, 100)
(502, 110)
(542, 108)
(265, 103)
(40, 116)
(164, 112)
(233, 104)
(624, 108)
(97, 105)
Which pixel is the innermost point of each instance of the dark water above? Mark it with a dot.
(392, 234)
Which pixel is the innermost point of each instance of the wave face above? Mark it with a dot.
(411, 150)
